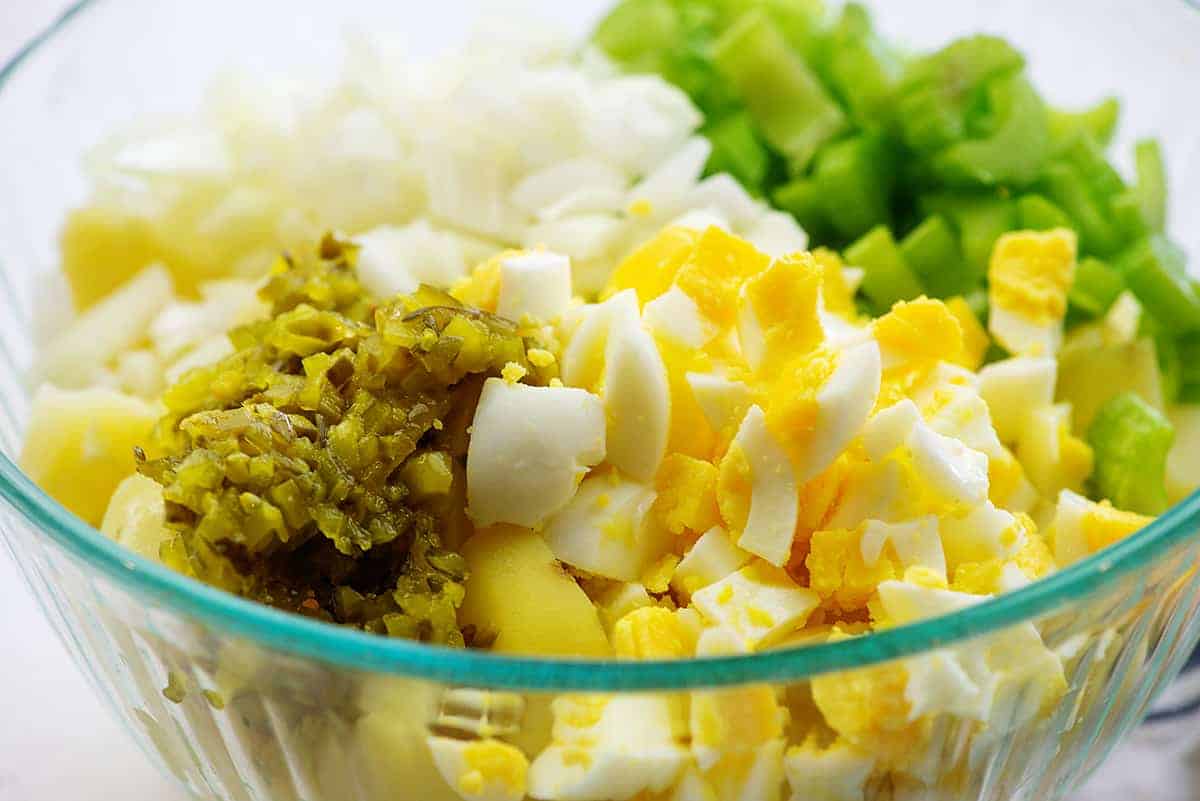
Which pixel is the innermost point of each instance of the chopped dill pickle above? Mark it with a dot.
(314, 468)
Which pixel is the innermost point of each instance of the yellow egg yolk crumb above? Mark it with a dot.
(1030, 273)
(650, 632)
(687, 494)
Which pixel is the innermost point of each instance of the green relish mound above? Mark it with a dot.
(320, 468)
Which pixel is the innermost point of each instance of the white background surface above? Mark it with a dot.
(58, 744)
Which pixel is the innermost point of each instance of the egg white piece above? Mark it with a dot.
(713, 557)
(843, 404)
(583, 356)
(609, 747)
(1069, 540)
(1040, 445)
(757, 605)
(982, 533)
(722, 400)
(674, 316)
(537, 284)
(637, 397)
(956, 472)
(917, 543)
(777, 234)
(1022, 336)
(836, 773)
(902, 602)
(606, 528)
(530, 446)
(487, 770)
(750, 775)
(751, 338)
(1015, 387)
(774, 492)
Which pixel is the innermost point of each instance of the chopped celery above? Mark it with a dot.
(1095, 288)
(931, 250)
(1099, 122)
(802, 199)
(1155, 269)
(1151, 187)
(1131, 439)
(1098, 234)
(854, 179)
(980, 219)
(1166, 347)
(783, 95)
(1013, 151)
(937, 90)
(1036, 213)
(887, 278)
(738, 150)
(859, 68)
(1128, 216)
(1089, 160)
(641, 34)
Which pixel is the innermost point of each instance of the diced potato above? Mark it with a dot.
(1091, 370)
(79, 445)
(518, 590)
(135, 517)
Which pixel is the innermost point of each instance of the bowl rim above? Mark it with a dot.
(344, 647)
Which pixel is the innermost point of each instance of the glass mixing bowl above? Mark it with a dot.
(241, 702)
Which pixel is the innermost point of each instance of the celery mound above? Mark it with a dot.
(319, 469)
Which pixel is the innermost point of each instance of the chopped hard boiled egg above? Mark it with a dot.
(536, 285)
(481, 770)
(530, 447)
(758, 605)
(1029, 276)
(758, 490)
(607, 529)
(609, 747)
(1082, 527)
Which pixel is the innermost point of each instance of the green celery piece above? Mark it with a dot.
(1155, 269)
(738, 150)
(786, 99)
(1036, 213)
(1166, 348)
(1128, 215)
(1098, 232)
(1151, 187)
(1099, 122)
(1131, 439)
(887, 278)
(1014, 152)
(936, 90)
(854, 178)
(928, 121)
(980, 219)
(801, 198)
(1189, 360)
(1089, 159)
(799, 21)
(860, 69)
(932, 251)
(965, 63)
(1095, 288)
(640, 34)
